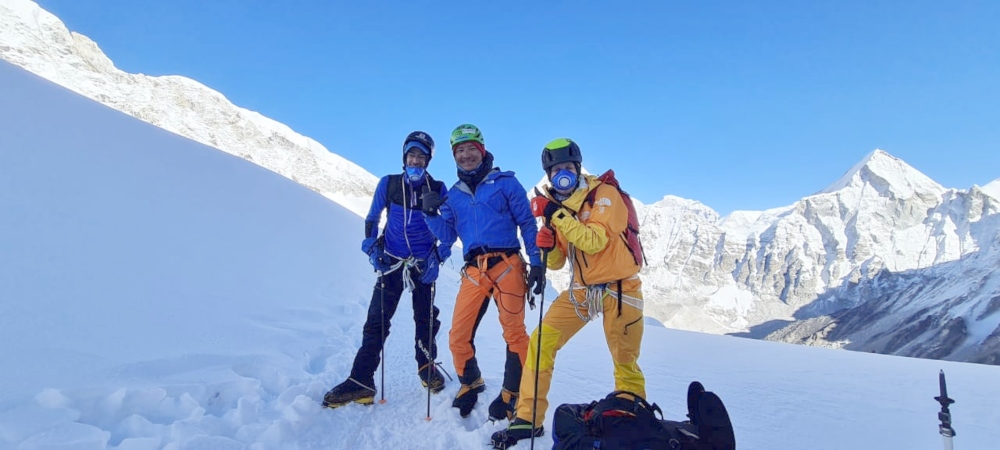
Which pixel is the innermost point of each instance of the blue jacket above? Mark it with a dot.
(406, 233)
(488, 219)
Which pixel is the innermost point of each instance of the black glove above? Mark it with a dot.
(430, 201)
(379, 260)
(551, 209)
(541, 206)
(536, 278)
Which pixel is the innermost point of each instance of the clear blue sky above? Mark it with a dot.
(740, 105)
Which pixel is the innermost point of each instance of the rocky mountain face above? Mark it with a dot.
(38, 41)
(883, 260)
(942, 311)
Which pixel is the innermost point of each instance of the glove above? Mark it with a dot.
(379, 260)
(367, 245)
(536, 278)
(430, 201)
(541, 206)
(545, 239)
(429, 271)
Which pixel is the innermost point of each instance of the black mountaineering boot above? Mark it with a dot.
(350, 391)
(714, 427)
(517, 430)
(467, 396)
(431, 376)
(709, 415)
(504, 406)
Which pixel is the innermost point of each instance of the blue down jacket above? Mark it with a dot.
(406, 232)
(489, 219)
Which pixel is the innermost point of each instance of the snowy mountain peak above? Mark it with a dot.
(31, 35)
(29, 11)
(992, 189)
(889, 175)
(38, 41)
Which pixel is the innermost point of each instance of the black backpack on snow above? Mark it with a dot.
(623, 420)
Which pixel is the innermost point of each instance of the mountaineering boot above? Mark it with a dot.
(709, 415)
(431, 376)
(350, 391)
(714, 427)
(467, 396)
(504, 406)
(517, 430)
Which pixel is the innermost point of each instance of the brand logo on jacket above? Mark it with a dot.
(601, 203)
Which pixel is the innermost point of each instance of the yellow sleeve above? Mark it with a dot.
(608, 217)
(589, 238)
(556, 259)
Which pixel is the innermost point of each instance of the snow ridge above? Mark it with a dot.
(38, 41)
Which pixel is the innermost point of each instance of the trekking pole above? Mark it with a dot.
(945, 415)
(538, 349)
(381, 307)
(430, 340)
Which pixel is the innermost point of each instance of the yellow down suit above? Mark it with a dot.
(590, 238)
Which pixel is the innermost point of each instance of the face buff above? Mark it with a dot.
(415, 174)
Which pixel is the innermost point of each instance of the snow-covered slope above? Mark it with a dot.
(33, 38)
(193, 314)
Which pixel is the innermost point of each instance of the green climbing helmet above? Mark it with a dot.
(466, 132)
(559, 151)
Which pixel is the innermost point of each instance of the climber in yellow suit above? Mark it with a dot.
(587, 230)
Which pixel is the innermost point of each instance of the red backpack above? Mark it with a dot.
(631, 233)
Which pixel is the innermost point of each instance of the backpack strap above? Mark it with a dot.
(635, 406)
(394, 191)
(590, 197)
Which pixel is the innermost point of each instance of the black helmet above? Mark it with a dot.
(559, 151)
(419, 140)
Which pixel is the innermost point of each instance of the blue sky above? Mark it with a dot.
(740, 105)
